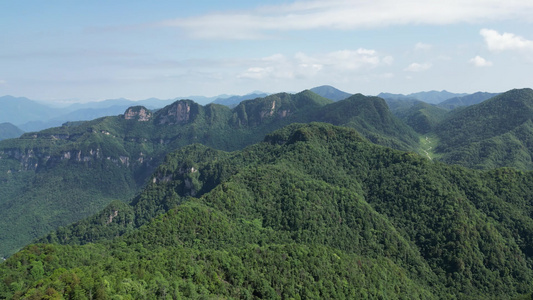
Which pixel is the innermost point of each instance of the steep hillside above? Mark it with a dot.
(467, 100)
(497, 132)
(421, 116)
(57, 176)
(60, 175)
(314, 211)
(372, 118)
(434, 97)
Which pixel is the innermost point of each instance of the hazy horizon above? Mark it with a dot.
(93, 51)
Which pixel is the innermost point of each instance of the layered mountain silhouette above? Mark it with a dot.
(495, 133)
(234, 100)
(421, 116)
(467, 100)
(431, 97)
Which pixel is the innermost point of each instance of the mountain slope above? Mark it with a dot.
(234, 100)
(431, 97)
(19, 110)
(314, 211)
(467, 100)
(421, 116)
(330, 92)
(60, 175)
(496, 132)
(372, 118)
(9, 131)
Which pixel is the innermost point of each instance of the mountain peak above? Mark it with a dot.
(299, 132)
(332, 93)
(139, 113)
(179, 112)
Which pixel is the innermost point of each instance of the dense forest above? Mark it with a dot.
(313, 211)
(149, 205)
(58, 176)
(495, 133)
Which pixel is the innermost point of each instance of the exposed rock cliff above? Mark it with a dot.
(255, 112)
(139, 113)
(179, 112)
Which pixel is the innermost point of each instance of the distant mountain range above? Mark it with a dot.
(431, 97)
(30, 115)
(234, 100)
(19, 110)
(325, 91)
(467, 100)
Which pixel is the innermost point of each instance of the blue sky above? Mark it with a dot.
(96, 50)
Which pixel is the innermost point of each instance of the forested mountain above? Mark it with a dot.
(9, 131)
(372, 118)
(59, 175)
(421, 116)
(467, 100)
(234, 100)
(30, 115)
(19, 110)
(431, 97)
(314, 211)
(82, 114)
(330, 92)
(497, 132)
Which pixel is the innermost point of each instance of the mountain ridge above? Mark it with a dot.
(9, 131)
(467, 100)
(431, 97)
(127, 148)
(500, 126)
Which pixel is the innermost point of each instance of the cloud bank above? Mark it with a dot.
(266, 22)
(302, 65)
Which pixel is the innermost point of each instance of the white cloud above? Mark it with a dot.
(302, 65)
(416, 67)
(507, 41)
(351, 60)
(346, 15)
(422, 47)
(479, 61)
(256, 73)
